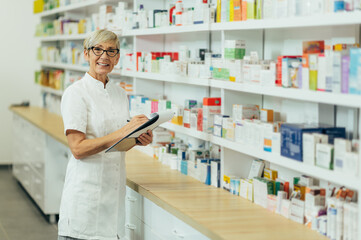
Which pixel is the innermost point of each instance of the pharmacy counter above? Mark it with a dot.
(213, 212)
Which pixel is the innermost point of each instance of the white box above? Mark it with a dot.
(352, 163)
(309, 141)
(324, 155)
(341, 147)
(276, 143)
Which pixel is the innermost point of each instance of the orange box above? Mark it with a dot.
(266, 115)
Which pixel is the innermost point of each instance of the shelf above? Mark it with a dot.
(291, 93)
(71, 7)
(168, 30)
(65, 66)
(331, 19)
(63, 37)
(74, 67)
(314, 171)
(187, 131)
(51, 90)
(167, 78)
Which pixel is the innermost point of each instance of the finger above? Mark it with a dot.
(143, 143)
(150, 133)
(147, 136)
(145, 139)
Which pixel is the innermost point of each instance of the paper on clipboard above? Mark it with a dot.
(129, 141)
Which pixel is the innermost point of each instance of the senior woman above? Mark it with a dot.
(95, 113)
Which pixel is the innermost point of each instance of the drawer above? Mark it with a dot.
(159, 220)
(39, 168)
(17, 170)
(134, 203)
(149, 234)
(25, 178)
(134, 228)
(181, 230)
(37, 186)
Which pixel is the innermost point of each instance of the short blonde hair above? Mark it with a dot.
(100, 36)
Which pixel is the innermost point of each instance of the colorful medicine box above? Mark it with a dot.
(291, 139)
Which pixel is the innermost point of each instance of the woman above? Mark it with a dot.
(95, 113)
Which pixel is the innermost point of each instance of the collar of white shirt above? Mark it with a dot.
(96, 82)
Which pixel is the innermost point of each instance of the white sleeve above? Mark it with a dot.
(73, 111)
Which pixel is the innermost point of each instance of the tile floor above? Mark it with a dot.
(20, 219)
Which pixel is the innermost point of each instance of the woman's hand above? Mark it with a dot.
(136, 122)
(145, 138)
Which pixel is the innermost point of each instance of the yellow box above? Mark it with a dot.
(270, 174)
(177, 120)
(38, 6)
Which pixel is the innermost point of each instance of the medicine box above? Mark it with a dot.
(309, 146)
(270, 174)
(266, 115)
(324, 155)
(234, 49)
(333, 132)
(216, 173)
(291, 139)
(245, 111)
(341, 147)
(355, 64)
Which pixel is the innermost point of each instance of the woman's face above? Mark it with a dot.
(103, 64)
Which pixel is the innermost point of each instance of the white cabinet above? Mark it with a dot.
(39, 164)
(145, 220)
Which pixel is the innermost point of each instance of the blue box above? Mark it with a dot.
(291, 139)
(334, 132)
(184, 167)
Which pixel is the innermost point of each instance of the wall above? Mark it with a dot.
(17, 65)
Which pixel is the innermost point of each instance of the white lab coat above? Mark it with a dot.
(93, 200)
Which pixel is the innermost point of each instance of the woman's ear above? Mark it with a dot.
(86, 55)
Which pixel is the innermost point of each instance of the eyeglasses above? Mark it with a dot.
(99, 51)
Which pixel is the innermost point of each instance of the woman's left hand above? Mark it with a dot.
(145, 138)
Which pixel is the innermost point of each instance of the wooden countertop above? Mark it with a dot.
(212, 211)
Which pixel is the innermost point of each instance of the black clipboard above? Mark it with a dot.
(130, 140)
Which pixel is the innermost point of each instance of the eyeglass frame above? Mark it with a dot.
(106, 51)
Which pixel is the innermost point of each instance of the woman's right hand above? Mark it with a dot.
(136, 122)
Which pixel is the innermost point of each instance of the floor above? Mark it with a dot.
(20, 219)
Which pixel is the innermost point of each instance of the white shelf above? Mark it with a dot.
(63, 37)
(328, 175)
(168, 30)
(331, 19)
(65, 66)
(167, 78)
(187, 131)
(75, 6)
(292, 93)
(51, 90)
(74, 67)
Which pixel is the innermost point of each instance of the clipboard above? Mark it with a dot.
(130, 140)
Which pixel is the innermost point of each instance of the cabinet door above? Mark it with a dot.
(134, 203)
(134, 228)
(56, 160)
